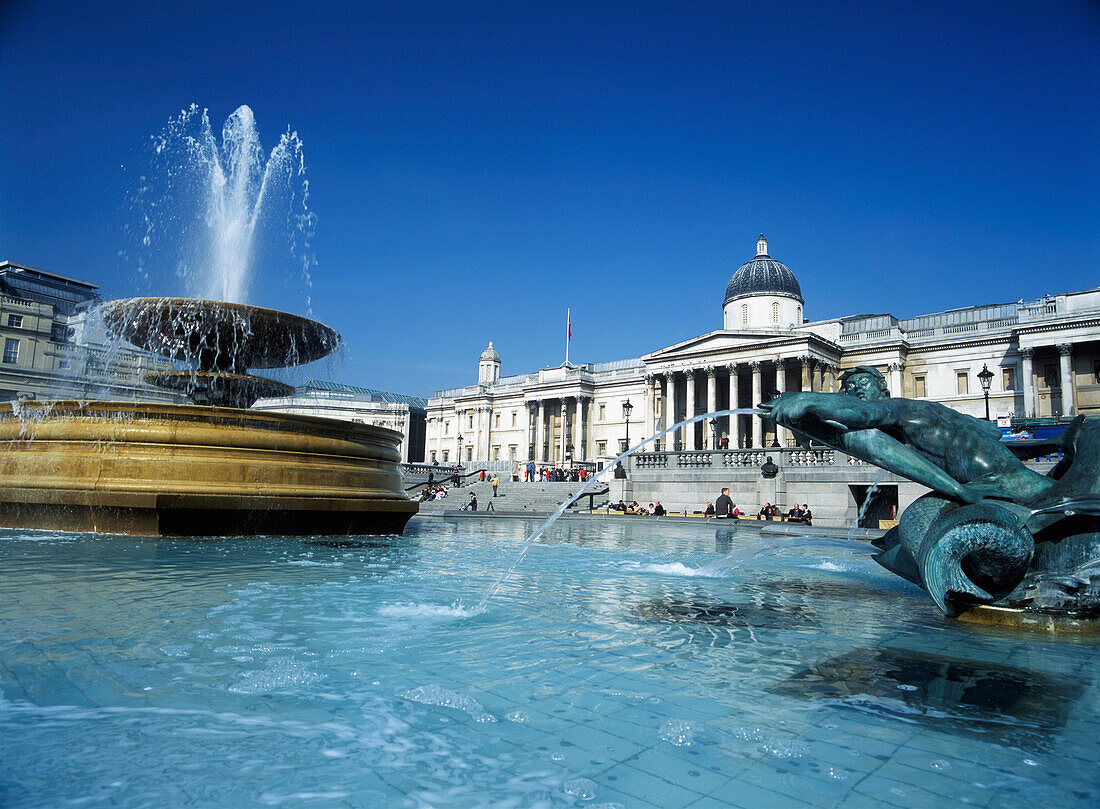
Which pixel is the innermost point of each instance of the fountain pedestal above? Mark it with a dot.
(162, 469)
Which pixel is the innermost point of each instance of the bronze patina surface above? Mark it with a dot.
(992, 532)
(192, 470)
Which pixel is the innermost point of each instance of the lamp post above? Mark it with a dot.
(714, 434)
(458, 460)
(985, 376)
(627, 407)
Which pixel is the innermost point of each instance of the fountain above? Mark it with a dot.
(212, 467)
(994, 541)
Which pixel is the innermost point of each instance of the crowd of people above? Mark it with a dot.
(553, 474)
(634, 507)
(724, 507)
(433, 492)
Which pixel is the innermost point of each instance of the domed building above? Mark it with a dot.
(1044, 355)
(763, 294)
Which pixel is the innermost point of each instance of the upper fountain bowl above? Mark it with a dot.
(219, 336)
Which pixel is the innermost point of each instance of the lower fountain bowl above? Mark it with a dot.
(191, 470)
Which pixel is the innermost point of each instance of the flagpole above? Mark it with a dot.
(568, 323)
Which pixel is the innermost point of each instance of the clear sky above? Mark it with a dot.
(476, 168)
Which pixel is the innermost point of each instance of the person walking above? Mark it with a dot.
(723, 506)
(495, 482)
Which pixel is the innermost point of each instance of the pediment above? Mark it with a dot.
(734, 345)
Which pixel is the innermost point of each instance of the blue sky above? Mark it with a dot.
(476, 168)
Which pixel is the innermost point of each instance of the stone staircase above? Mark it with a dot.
(513, 498)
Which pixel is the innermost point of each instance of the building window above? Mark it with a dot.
(622, 446)
(920, 386)
(603, 412)
(433, 456)
(1050, 374)
(15, 321)
(744, 314)
(497, 421)
(11, 350)
(64, 365)
(775, 313)
(601, 447)
(798, 315)
(513, 418)
(496, 453)
(470, 421)
(1008, 378)
(446, 455)
(962, 381)
(513, 452)
(469, 453)
(446, 428)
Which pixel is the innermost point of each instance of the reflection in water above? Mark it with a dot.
(1015, 706)
(714, 613)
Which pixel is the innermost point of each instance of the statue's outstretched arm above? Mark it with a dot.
(887, 452)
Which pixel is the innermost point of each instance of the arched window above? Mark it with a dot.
(798, 316)
(744, 314)
(775, 313)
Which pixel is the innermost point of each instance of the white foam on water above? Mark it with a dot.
(678, 732)
(280, 674)
(426, 611)
(445, 698)
(675, 569)
(271, 799)
(311, 563)
(832, 566)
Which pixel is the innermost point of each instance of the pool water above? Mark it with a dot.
(620, 665)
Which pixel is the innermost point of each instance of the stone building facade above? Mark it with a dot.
(379, 408)
(56, 347)
(1045, 357)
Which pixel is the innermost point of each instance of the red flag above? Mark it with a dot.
(568, 325)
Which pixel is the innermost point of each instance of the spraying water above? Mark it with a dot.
(541, 530)
(208, 201)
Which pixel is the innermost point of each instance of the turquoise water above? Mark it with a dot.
(621, 664)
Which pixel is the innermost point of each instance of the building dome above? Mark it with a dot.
(763, 276)
(490, 353)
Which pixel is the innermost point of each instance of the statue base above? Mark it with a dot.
(1032, 620)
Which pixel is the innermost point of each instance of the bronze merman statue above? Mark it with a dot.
(992, 531)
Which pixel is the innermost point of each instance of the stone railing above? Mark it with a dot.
(799, 457)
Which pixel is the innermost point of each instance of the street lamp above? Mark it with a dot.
(458, 460)
(714, 434)
(985, 376)
(627, 407)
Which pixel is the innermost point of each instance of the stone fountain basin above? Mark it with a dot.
(217, 335)
(150, 468)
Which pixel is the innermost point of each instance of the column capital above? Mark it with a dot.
(711, 371)
(1065, 349)
(689, 373)
(755, 366)
(731, 367)
(805, 359)
(1027, 352)
(649, 378)
(669, 375)
(896, 366)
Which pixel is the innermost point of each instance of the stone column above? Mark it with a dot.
(540, 431)
(1028, 373)
(532, 415)
(807, 361)
(897, 386)
(712, 405)
(689, 409)
(1065, 371)
(650, 404)
(817, 377)
(830, 378)
(670, 409)
(734, 429)
(563, 440)
(781, 433)
(757, 422)
(578, 431)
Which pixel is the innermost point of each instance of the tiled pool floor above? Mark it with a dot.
(608, 671)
